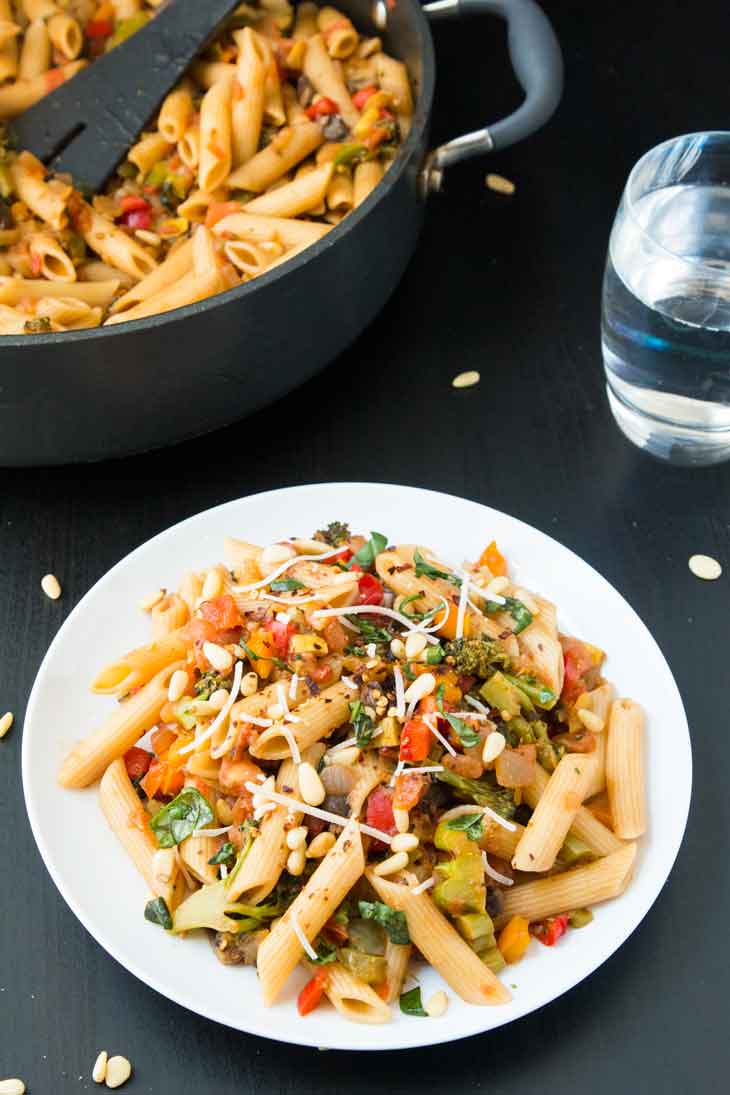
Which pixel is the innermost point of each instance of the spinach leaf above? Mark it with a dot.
(392, 920)
(465, 733)
(286, 585)
(264, 657)
(368, 630)
(426, 569)
(470, 824)
(367, 554)
(177, 820)
(417, 617)
(225, 854)
(519, 613)
(362, 724)
(157, 912)
(410, 1003)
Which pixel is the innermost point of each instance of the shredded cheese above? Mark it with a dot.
(262, 811)
(254, 720)
(324, 815)
(499, 819)
(348, 682)
(351, 741)
(398, 769)
(437, 734)
(293, 685)
(425, 885)
(220, 717)
(282, 569)
(469, 715)
(210, 832)
(306, 945)
(488, 869)
(461, 611)
(291, 741)
(477, 705)
(371, 650)
(375, 610)
(400, 692)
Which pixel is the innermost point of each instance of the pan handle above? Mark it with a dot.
(538, 65)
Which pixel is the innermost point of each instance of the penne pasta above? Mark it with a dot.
(215, 136)
(168, 616)
(176, 114)
(249, 95)
(129, 822)
(289, 231)
(147, 151)
(317, 718)
(354, 999)
(397, 959)
(66, 35)
(366, 177)
(111, 244)
(287, 149)
(321, 71)
(48, 200)
(175, 266)
(554, 814)
(23, 94)
(51, 259)
(300, 196)
(140, 665)
(93, 293)
(587, 828)
(35, 52)
(625, 768)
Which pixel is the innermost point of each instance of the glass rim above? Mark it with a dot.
(629, 202)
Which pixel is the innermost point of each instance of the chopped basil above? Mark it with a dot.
(465, 733)
(176, 821)
(225, 854)
(157, 912)
(417, 617)
(470, 824)
(410, 1003)
(424, 569)
(392, 920)
(367, 554)
(362, 723)
(264, 657)
(326, 953)
(519, 613)
(368, 630)
(286, 585)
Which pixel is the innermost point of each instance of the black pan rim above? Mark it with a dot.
(421, 118)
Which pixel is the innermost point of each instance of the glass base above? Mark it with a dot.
(681, 445)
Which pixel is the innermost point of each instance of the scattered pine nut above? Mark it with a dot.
(148, 603)
(402, 819)
(274, 555)
(494, 743)
(404, 842)
(311, 787)
(415, 643)
(249, 684)
(437, 1005)
(321, 844)
(5, 723)
(220, 658)
(346, 757)
(591, 720)
(705, 567)
(51, 586)
(397, 648)
(392, 864)
(178, 684)
(12, 1087)
(218, 699)
(296, 861)
(466, 380)
(118, 1071)
(295, 838)
(499, 184)
(422, 686)
(98, 1074)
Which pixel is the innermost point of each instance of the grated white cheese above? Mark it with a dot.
(220, 717)
(374, 610)
(398, 769)
(293, 685)
(348, 682)
(477, 705)
(400, 692)
(488, 869)
(351, 741)
(291, 741)
(224, 870)
(283, 569)
(324, 815)
(469, 715)
(210, 832)
(306, 945)
(425, 885)
(499, 819)
(255, 720)
(262, 811)
(461, 611)
(437, 733)
(283, 617)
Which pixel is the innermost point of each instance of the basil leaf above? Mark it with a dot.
(157, 912)
(362, 724)
(225, 854)
(176, 821)
(519, 613)
(392, 920)
(286, 585)
(424, 569)
(417, 617)
(410, 1003)
(368, 630)
(465, 733)
(470, 824)
(326, 953)
(367, 554)
(264, 657)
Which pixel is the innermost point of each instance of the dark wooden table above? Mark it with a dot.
(510, 287)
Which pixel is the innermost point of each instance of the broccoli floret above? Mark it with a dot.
(336, 533)
(476, 657)
(209, 683)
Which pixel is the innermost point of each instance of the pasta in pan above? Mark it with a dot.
(345, 755)
(286, 123)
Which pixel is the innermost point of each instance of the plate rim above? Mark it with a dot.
(515, 1010)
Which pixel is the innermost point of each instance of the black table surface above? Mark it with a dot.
(510, 287)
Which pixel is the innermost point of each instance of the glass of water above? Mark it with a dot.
(666, 302)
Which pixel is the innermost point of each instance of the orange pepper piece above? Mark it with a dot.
(448, 628)
(514, 939)
(493, 558)
(262, 645)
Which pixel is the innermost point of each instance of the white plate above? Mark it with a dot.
(101, 885)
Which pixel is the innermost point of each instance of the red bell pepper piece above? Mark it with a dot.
(312, 993)
(415, 741)
(321, 108)
(137, 761)
(549, 931)
(361, 97)
(369, 590)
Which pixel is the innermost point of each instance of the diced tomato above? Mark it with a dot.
(162, 779)
(369, 591)
(281, 634)
(344, 556)
(131, 201)
(162, 739)
(321, 108)
(379, 812)
(218, 210)
(361, 97)
(375, 137)
(99, 28)
(312, 993)
(136, 218)
(137, 761)
(321, 673)
(493, 558)
(222, 612)
(408, 790)
(415, 741)
(549, 931)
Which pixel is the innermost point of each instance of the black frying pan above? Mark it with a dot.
(89, 395)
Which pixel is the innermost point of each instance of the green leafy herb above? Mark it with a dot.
(465, 733)
(264, 657)
(326, 953)
(519, 613)
(392, 920)
(367, 554)
(362, 724)
(424, 569)
(417, 617)
(225, 854)
(410, 1003)
(336, 533)
(157, 912)
(286, 585)
(209, 683)
(434, 654)
(176, 821)
(470, 824)
(368, 630)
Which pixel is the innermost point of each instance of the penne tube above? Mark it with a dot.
(191, 589)
(393, 79)
(48, 200)
(295, 112)
(215, 136)
(251, 259)
(259, 229)
(353, 998)
(151, 148)
(340, 36)
(208, 73)
(205, 258)
(305, 24)
(242, 558)
(129, 821)
(188, 290)
(195, 851)
(500, 841)
(196, 205)
(178, 263)
(274, 112)
(625, 768)
(369, 773)
(141, 664)
(202, 764)
(96, 293)
(189, 146)
(12, 322)
(128, 723)
(168, 616)
(322, 73)
(96, 270)
(554, 814)
(9, 48)
(8, 30)
(66, 35)
(249, 94)
(20, 96)
(441, 945)
(39, 9)
(366, 177)
(176, 114)
(281, 950)
(287, 149)
(35, 51)
(299, 196)
(397, 958)
(585, 826)
(369, 46)
(576, 889)
(318, 717)
(51, 258)
(112, 244)
(598, 702)
(340, 193)
(125, 9)
(68, 314)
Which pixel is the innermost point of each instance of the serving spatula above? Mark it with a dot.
(87, 125)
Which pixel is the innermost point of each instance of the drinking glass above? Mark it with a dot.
(665, 327)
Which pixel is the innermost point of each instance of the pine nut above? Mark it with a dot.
(311, 787)
(422, 686)
(321, 845)
(397, 648)
(118, 1071)
(5, 723)
(295, 838)
(249, 684)
(218, 657)
(497, 585)
(346, 757)
(591, 720)
(528, 601)
(98, 1073)
(392, 864)
(164, 862)
(296, 861)
(499, 184)
(415, 644)
(178, 683)
(437, 1005)
(404, 842)
(51, 586)
(148, 603)
(402, 819)
(705, 567)
(213, 585)
(219, 699)
(274, 555)
(466, 380)
(12, 1087)
(223, 811)
(494, 743)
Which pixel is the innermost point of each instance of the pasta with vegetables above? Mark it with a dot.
(342, 754)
